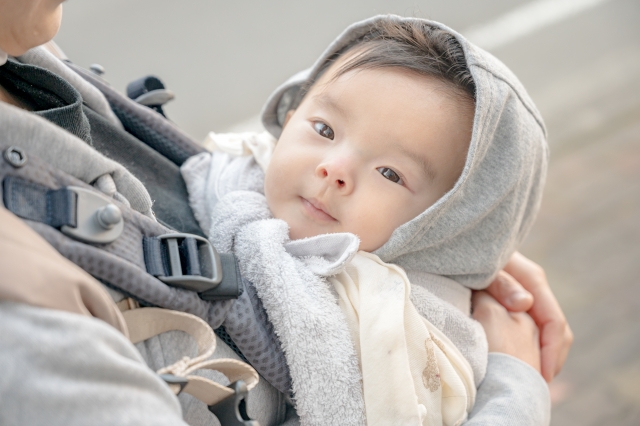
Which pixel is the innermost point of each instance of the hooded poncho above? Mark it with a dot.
(469, 234)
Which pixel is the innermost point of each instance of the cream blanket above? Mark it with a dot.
(412, 374)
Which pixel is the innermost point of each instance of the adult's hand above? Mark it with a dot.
(523, 286)
(511, 333)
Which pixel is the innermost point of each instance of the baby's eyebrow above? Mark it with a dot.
(330, 103)
(425, 165)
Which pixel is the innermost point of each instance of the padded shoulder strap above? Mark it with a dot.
(120, 261)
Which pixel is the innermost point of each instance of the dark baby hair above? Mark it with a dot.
(414, 46)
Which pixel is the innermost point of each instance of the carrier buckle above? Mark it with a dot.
(150, 91)
(232, 411)
(98, 220)
(183, 260)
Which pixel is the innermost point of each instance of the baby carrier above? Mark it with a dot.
(167, 262)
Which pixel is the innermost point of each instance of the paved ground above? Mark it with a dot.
(583, 71)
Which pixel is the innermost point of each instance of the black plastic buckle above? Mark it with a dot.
(150, 91)
(232, 411)
(203, 254)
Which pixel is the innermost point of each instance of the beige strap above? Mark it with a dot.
(148, 322)
(127, 304)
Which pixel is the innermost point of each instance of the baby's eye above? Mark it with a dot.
(323, 130)
(390, 174)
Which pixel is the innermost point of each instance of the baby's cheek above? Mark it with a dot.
(373, 227)
(272, 193)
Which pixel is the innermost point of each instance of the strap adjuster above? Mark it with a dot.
(183, 260)
(83, 214)
(232, 411)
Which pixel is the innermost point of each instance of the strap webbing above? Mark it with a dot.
(155, 257)
(28, 200)
(145, 323)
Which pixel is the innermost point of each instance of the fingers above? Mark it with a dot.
(555, 334)
(484, 305)
(528, 327)
(527, 323)
(510, 293)
(512, 333)
(556, 339)
(526, 272)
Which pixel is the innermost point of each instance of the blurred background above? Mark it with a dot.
(580, 61)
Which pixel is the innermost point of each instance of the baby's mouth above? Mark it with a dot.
(316, 210)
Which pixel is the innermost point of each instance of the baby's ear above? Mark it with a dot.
(288, 117)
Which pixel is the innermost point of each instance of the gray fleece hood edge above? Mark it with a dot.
(470, 232)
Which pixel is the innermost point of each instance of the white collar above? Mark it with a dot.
(3, 57)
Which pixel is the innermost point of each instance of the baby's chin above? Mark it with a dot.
(300, 232)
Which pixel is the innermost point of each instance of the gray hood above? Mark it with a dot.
(469, 234)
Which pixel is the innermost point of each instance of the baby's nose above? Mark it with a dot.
(325, 174)
(337, 176)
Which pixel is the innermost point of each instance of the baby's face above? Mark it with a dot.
(367, 152)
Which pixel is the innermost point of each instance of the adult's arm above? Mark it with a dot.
(61, 368)
(64, 356)
(523, 287)
(511, 394)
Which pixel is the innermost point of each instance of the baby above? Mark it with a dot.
(408, 167)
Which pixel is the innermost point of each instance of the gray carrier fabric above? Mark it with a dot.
(43, 58)
(56, 100)
(160, 176)
(65, 152)
(252, 333)
(121, 265)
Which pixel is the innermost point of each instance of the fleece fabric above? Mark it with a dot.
(290, 278)
(470, 233)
